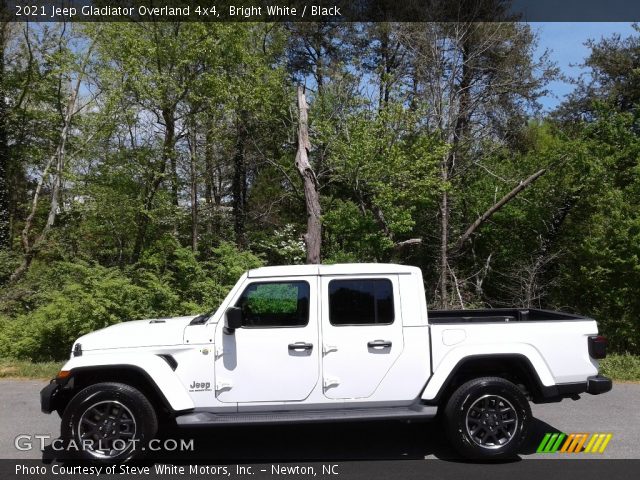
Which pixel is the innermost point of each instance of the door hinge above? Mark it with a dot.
(328, 348)
(218, 351)
(329, 382)
(223, 385)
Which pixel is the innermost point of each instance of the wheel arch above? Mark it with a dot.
(153, 376)
(515, 367)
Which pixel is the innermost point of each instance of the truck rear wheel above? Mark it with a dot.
(487, 418)
(108, 422)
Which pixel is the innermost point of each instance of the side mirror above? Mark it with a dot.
(232, 320)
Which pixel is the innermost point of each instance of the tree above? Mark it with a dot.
(385, 172)
(69, 76)
(476, 79)
(611, 64)
(155, 66)
(318, 50)
(5, 231)
(313, 237)
(387, 58)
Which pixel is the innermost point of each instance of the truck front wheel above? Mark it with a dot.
(487, 418)
(108, 422)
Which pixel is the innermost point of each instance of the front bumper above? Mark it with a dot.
(598, 384)
(49, 396)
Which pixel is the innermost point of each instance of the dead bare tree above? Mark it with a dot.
(526, 283)
(313, 237)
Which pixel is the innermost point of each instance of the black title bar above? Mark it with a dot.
(321, 10)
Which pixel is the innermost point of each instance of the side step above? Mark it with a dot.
(205, 418)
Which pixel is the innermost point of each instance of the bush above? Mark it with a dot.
(61, 301)
(625, 367)
(9, 261)
(102, 298)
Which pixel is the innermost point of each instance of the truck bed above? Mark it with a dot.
(499, 315)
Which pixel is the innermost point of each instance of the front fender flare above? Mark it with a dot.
(154, 368)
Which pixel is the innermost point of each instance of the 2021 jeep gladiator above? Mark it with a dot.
(316, 343)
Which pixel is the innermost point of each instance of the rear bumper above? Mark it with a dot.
(598, 384)
(594, 385)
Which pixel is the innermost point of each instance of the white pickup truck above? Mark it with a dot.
(324, 343)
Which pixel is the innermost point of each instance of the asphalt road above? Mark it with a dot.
(616, 412)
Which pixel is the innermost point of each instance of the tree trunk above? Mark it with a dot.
(208, 176)
(169, 151)
(150, 190)
(444, 236)
(240, 184)
(194, 188)
(459, 134)
(383, 91)
(5, 231)
(142, 217)
(313, 237)
(30, 249)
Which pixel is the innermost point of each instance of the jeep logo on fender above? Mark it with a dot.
(200, 387)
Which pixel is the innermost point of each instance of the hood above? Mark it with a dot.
(138, 333)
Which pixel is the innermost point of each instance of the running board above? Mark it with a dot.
(204, 418)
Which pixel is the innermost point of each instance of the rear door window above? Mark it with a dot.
(361, 302)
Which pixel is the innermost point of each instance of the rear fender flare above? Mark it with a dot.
(447, 368)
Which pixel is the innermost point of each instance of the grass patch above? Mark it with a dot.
(621, 367)
(25, 369)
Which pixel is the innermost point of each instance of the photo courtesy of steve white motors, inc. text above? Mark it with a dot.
(222, 470)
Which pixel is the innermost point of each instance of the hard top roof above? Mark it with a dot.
(336, 269)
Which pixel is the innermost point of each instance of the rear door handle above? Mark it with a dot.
(300, 346)
(379, 344)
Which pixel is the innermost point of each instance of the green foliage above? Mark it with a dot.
(98, 297)
(624, 367)
(179, 170)
(386, 166)
(601, 269)
(390, 164)
(9, 261)
(351, 235)
(64, 300)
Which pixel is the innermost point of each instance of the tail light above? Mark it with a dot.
(597, 346)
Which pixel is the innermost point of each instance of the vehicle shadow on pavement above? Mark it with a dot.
(317, 442)
(314, 443)
(537, 432)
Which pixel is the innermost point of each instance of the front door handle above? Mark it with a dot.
(379, 344)
(300, 346)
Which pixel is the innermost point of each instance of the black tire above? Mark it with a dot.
(487, 418)
(116, 420)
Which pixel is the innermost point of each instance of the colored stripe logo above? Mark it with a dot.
(574, 443)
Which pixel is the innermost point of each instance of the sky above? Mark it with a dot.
(566, 41)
